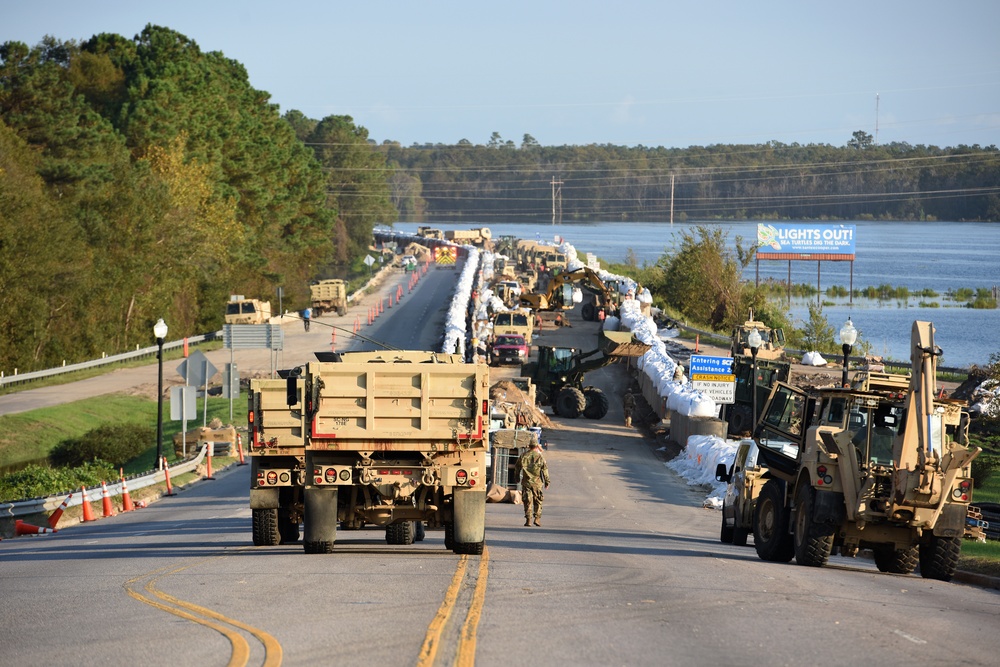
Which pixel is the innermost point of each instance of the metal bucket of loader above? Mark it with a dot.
(622, 344)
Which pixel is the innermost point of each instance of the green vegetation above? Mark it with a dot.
(116, 444)
(32, 436)
(158, 204)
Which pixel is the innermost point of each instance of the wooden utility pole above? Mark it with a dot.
(556, 200)
(671, 200)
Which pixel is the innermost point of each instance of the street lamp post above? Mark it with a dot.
(160, 331)
(754, 340)
(848, 335)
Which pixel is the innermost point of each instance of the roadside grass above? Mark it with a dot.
(30, 436)
(983, 557)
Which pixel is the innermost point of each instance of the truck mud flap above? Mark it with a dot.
(264, 499)
(829, 508)
(320, 520)
(470, 516)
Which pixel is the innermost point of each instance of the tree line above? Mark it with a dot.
(145, 178)
(503, 181)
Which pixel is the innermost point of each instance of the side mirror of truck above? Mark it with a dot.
(722, 473)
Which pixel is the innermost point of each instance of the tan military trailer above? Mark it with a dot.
(876, 467)
(240, 310)
(396, 439)
(329, 296)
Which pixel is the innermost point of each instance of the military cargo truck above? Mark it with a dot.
(240, 310)
(329, 296)
(877, 466)
(513, 322)
(393, 439)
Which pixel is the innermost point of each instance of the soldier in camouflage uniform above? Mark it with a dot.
(534, 475)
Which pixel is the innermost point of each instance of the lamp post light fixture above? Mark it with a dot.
(848, 336)
(160, 331)
(754, 340)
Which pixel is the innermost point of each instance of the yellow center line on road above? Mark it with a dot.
(240, 655)
(467, 642)
(428, 652)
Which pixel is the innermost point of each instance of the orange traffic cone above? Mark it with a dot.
(208, 461)
(88, 511)
(106, 500)
(166, 474)
(239, 449)
(127, 504)
(22, 528)
(54, 518)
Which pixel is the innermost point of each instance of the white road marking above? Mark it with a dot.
(915, 640)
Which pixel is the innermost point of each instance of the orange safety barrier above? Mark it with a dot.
(88, 511)
(106, 501)
(127, 504)
(22, 528)
(54, 518)
(166, 474)
(208, 461)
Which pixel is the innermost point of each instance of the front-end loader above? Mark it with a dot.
(559, 372)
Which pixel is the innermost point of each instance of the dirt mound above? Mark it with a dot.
(508, 398)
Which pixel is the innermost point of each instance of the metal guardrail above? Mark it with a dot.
(18, 378)
(37, 505)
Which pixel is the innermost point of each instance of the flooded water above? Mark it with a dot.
(942, 256)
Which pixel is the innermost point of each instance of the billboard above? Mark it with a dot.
(803, 240)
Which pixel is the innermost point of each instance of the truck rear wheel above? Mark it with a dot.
(770, 525)
(813, 541)
(570, 402)
(939, 557)
(265, 528)
(399, 533)
(740, 534)
(895, 561)
(597, 403)
(588, 311)
(419, 531)
(320, 520)
(741, 419)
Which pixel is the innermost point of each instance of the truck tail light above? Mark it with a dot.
(461, 477)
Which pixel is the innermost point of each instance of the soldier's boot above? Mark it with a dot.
(537, 522)
(628, 422)
(527, 521)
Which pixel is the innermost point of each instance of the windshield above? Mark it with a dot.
(510, 340)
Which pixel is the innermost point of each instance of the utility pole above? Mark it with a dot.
(556, 200)
(876, 119)
(671, 200)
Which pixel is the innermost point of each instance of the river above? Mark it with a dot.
(943, 256)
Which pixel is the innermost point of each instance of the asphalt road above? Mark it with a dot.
(626, 569)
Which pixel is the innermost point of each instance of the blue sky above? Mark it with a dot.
(630, 72)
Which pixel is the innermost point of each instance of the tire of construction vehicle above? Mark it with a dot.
(813, 541)
(265, 528)
(419, 532)
(399, 533)
(895, 561)
(741, 419)
(287, 528)
(570, 403)
(449, 536)
(320, 520)
(726, 534)
(597, 403)
(939, 557)
(740, 535)
(770, 525)
(588, 311)
(469, 510)
(342, 310)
